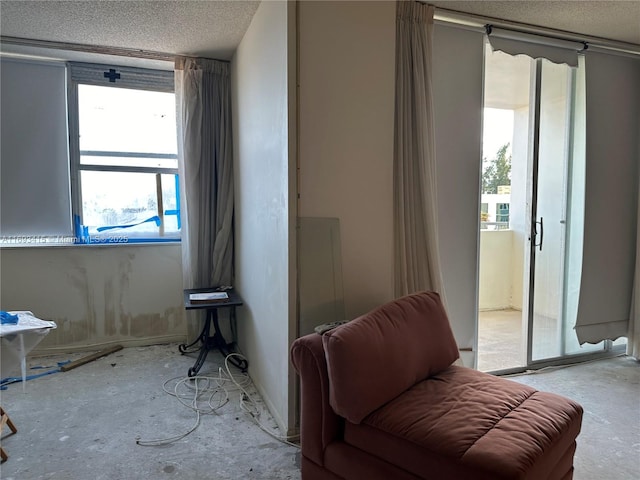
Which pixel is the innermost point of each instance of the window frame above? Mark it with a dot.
(130, 78)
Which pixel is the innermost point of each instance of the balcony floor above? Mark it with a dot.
(500, 340)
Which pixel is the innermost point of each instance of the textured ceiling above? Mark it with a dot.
(197, 28)
(214, 28)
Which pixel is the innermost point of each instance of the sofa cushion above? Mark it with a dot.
(376, 357)
(466, 424)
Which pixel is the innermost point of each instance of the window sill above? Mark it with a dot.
(43, 242)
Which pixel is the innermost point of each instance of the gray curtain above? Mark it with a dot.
(416, 252)
(206, 171)
(611, 196)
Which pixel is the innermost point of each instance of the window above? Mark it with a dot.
(502, 213)
(123, 152)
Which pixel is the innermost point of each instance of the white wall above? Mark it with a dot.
(129, 295)
(346, 111)
(264, 211)
(495, 272)
(346, 118)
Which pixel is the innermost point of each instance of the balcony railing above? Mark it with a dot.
(494, 225)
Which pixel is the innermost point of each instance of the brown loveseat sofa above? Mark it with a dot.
(380, 399)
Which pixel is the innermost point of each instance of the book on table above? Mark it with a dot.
(208, 297)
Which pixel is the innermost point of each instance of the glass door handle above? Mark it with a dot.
(535, 232)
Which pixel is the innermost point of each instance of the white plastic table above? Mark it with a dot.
(16, 341)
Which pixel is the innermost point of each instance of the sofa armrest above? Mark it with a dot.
(319, 424)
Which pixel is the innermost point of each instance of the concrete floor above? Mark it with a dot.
(609, 392)
(83, 424)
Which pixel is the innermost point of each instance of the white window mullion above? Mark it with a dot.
(108, 168)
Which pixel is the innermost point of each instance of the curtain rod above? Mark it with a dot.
(510, 34)
(95, 49)
(448, 16)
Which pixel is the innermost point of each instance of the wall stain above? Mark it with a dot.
(143, 326)
(146, 325)
(125, 269)
(82, 331)
(109, 310)
(98, 297)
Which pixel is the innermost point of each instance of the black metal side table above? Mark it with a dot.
(207, 339)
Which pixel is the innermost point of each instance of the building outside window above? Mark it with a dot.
(502, 213)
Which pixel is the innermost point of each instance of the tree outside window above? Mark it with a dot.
(497, 171)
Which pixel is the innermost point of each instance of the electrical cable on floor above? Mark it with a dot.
(255, 414)
(206, 394)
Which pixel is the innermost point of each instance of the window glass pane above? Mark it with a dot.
(126, 120)
(126, 204)
(620, 341)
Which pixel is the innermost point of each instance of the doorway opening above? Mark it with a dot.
(505, 153)
(529, 216)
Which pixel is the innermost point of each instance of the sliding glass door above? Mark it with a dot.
(548, 220)
(527, 291)
(504, 215)
(554, 170)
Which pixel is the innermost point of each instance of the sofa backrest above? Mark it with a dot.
(376, 357)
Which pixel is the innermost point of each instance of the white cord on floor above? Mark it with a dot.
(247, 399)
(206, 394)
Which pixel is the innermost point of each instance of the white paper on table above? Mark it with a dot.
(208, 296)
